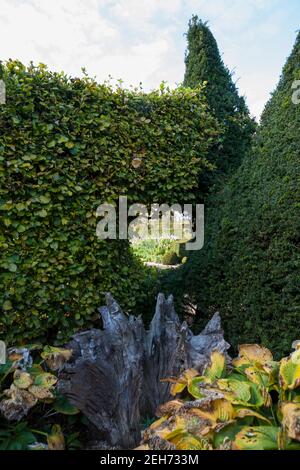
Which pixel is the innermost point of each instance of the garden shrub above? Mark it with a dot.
(249, 268)
(68, 145)
(171, 258)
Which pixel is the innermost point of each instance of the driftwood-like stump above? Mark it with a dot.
(115, 374)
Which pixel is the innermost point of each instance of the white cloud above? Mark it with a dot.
(142, 40)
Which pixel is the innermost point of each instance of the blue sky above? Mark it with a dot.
(143, 40)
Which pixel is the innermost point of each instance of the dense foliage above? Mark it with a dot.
(66, 146)
(253, 404)
(205, 65)
(250, 266)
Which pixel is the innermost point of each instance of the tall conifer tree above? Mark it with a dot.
(204, 64)
(250, 266)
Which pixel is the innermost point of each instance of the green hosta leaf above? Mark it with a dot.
(226, 434)
(289, 371)
(257, 438)
(35, 370)
(239, 391)
(217, 368)
(194, 387)
(258, 397)
(62, 405)
(45, 380)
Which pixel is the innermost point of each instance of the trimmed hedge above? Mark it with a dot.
(250, 266)
(66, 146)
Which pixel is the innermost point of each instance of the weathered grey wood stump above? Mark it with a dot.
(115, 374)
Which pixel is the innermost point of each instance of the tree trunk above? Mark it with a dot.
(115, 374)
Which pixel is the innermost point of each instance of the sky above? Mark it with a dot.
(143, 41)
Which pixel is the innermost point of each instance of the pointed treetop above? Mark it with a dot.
(204, 64)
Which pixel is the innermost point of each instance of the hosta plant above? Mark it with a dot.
(32, 412)
(252, 403)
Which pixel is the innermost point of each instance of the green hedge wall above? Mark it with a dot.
(66, 146)
(249, 268)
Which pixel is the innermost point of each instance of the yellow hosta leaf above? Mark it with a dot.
(158, 423)
(252, 353)
(41, 393)
(291, 419)
(56, 440)
(296, 345)
(289, 371)
(56, 357)
(257, 376)
(22, 379)
(169, 408)
(217, 367)
(190, 373)
(177, 388)
(143, 447)
(179, 428)
(245, 412)
(182, 382)
(187, 441)
(219, 411)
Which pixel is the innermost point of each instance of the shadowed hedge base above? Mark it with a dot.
(250, 266)
(66, 146)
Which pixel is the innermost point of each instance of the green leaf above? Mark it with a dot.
(45, 380)
(257, 438)
(62, 405)
(42, 213)
(44, 199)
(194, 388)
(217, 368)
(289, 371)
(12, 267)
(239, 391)
(7, 305)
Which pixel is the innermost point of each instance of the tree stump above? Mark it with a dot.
(114, 376)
